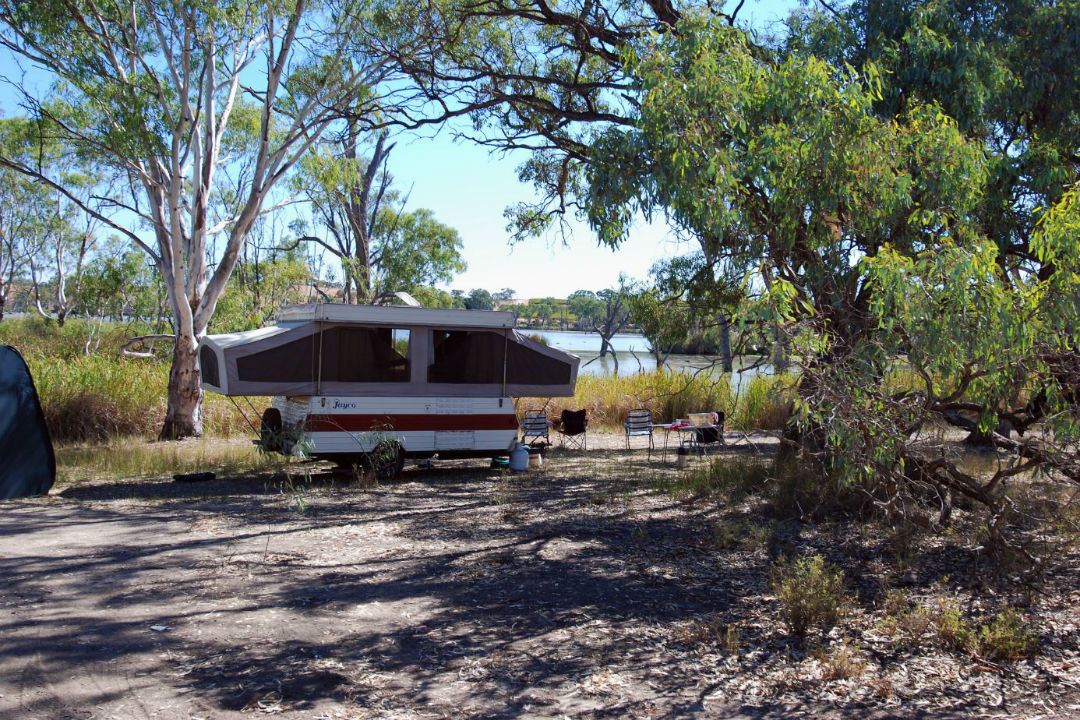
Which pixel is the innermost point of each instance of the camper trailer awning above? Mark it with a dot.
(376, 351)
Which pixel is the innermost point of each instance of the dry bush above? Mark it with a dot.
(713, 631)
(1007, 636)
(841, 663)
(741, 533)
(810, 592)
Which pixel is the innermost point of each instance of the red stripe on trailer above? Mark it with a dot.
(364, 423)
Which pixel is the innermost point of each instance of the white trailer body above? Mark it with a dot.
(342, 426)
(427, 381)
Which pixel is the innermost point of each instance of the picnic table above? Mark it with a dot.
(689, 435)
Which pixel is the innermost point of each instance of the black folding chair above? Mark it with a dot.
(572, 428)
(708, 436)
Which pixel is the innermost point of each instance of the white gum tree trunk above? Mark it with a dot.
(168, 82)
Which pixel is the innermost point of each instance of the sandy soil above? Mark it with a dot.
(573, 591)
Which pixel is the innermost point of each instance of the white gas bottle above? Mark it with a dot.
(519, 458)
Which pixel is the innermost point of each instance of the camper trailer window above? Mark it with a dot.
(462, 356)
(338, 354)
(477, 356)
(208, 366)
(358, 354)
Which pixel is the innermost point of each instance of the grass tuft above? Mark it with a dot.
(810, 592)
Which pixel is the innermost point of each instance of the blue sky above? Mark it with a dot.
(468, 188)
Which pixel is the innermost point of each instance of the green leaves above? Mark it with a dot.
(783, 161)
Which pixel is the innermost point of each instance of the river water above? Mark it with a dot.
(634, 356)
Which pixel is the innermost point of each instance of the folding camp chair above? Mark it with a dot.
(639, 423)
(707, 437)
(572, 426)
(534, 429)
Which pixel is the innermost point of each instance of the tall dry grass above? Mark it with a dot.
(88, 395)
(761, 403)
(123, 458)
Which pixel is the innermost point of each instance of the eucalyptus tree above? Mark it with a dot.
(586, 307)
(24, 205)
(57, 260)
(869, 238)
(15, 213)
(201, 109)
(44, 234)
(535, 76)
(708, 289)
(613, 316)
(1004, 71)
(381, 246)
(662, 319)
(479, 299)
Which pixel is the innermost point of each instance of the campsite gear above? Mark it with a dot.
(347, 379)
(710, 434)
(682, 457)
(639, 423)
(572, 428)
(536, 457)
(519, 458)
(194, 477)
(534, 428)
(27, 462)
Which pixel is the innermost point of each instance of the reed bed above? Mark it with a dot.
(761, 403)
(95, 398)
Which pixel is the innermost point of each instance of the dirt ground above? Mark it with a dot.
(572, 591)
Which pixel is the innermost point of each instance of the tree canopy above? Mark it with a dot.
(879, 236)
(200, 110)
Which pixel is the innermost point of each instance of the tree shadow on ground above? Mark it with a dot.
(460, 590)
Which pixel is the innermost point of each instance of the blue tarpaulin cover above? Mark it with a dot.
(27, 463)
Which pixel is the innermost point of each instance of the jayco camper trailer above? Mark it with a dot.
(349, 381)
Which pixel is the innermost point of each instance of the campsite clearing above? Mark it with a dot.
(578, 590)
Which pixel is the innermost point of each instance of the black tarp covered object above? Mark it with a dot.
(27, 463)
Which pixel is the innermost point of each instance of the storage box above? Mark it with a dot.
(701, 418)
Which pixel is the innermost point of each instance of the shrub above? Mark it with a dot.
(810, 592)
(953, 629)
(1007, 638)
(910, 625)
(841, 663)
(712, 632)
(741, 533)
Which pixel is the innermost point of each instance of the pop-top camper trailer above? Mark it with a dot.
(350, 380)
